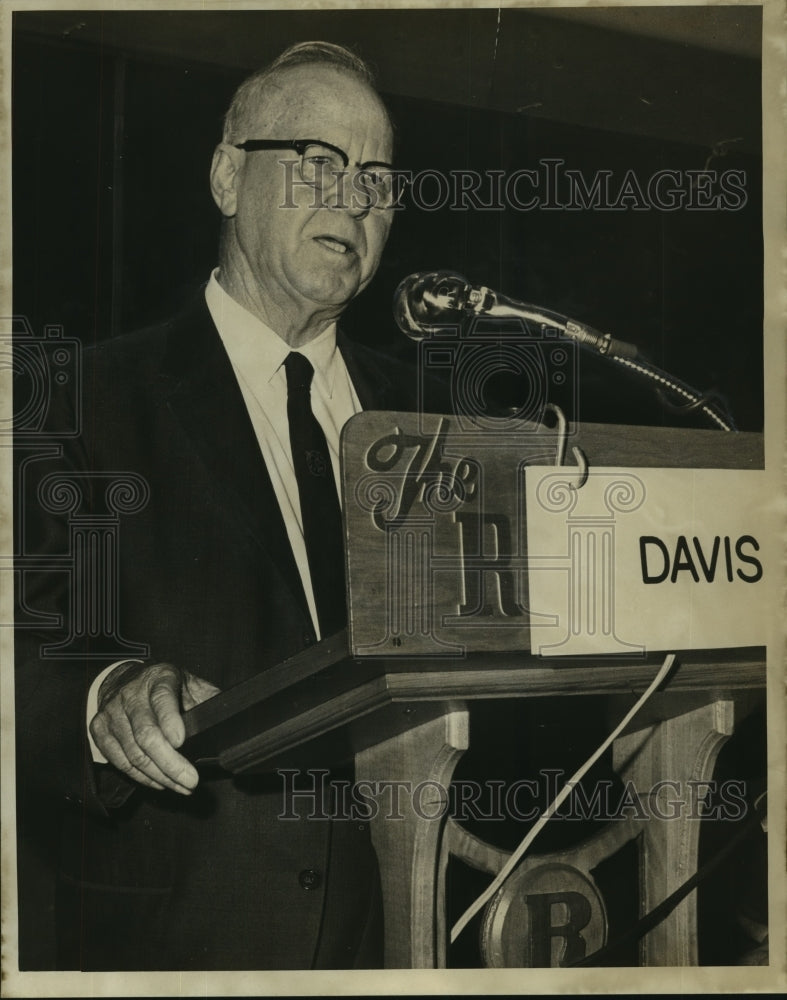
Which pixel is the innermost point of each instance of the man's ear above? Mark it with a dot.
(224, 172)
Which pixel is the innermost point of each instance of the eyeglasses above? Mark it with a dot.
(321, 165)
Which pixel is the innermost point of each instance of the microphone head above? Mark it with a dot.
(429, 299)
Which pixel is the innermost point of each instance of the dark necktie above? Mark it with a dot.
(320, 512)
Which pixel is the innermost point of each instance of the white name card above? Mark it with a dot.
(647, 559)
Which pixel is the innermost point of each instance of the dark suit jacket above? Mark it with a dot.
(207, 580)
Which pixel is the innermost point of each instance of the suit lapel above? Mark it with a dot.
(204, 395)
(206, 398)
(384, 383)
(370, 379)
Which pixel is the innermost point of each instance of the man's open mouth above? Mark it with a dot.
(335, 244)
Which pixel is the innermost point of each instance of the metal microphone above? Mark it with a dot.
(427, 300)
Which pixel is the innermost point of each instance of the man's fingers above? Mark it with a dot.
(142, 751)
(132, 721)
(149, 749)
(115, 754)
(165, 700)
(140, 725)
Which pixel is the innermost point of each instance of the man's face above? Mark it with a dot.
(299, 246)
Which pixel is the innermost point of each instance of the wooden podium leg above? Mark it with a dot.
(679, 753)
(421, 762)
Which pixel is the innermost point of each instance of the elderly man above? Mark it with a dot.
(231, 414)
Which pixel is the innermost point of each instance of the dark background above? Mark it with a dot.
(116, 115)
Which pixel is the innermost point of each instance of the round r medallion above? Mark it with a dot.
(545, 915)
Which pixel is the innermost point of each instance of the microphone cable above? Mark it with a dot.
(661, 911)
(665, 381)
(428, 300)
(562, 795)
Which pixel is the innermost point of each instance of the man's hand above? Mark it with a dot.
(139, 724)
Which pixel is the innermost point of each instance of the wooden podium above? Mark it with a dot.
(402, 716)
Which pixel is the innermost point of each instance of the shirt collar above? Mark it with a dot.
(256, 350)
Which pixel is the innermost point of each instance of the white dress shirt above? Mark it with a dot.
(257, 355)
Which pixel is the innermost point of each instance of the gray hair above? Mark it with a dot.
(249, 94)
